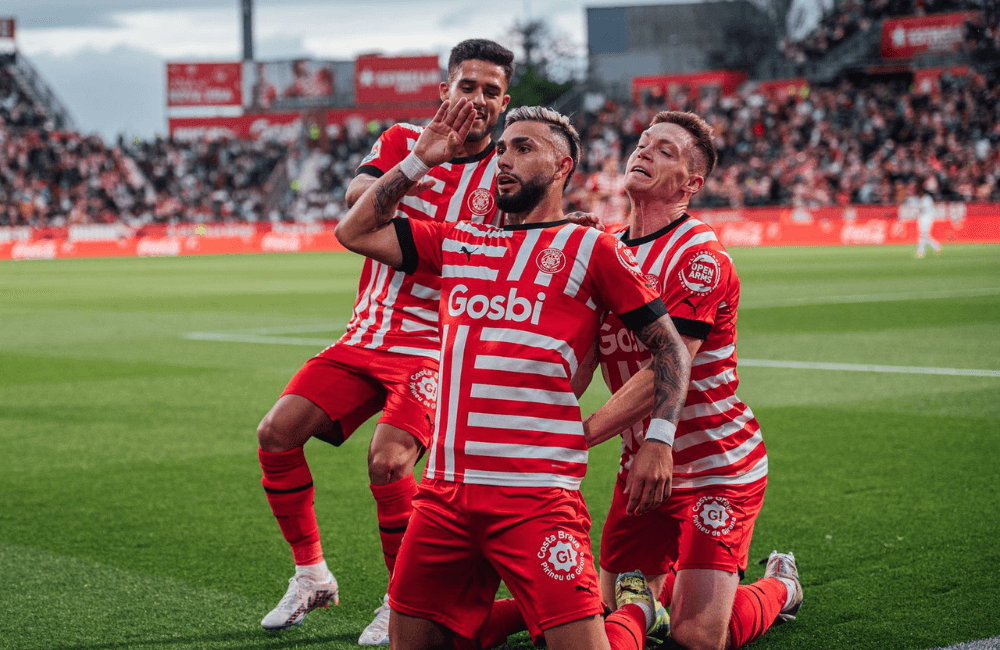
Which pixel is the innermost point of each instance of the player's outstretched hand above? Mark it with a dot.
(445, 135)
(649, 480)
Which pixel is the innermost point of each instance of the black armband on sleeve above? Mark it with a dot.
(639, 318)
(371, 170)
(696, 329)
(405, 236)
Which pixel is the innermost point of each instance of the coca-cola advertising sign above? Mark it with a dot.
(204, 84)
(904, 38)
(396, 80)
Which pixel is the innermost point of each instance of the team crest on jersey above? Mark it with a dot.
(423, 385)
(627, 258)
(701, 275)
(551, 260)
(562, 556)
(713, 516)
(481, 202)
(653, 282)
(373, 154)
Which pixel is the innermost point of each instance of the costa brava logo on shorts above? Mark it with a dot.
(510, 307)
(562, 556)
(713, 516)
(550, 260)
(424, 386)
(701, 274)
(481, 202)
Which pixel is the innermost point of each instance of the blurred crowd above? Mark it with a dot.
(859, 142)
(845, 17)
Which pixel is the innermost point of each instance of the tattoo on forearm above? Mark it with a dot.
(671, 367)
(389, 194)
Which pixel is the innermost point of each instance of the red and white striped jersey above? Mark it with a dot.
(396, 312)
(520, 306)
(718, 440)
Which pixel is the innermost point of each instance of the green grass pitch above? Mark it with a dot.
(132, 516)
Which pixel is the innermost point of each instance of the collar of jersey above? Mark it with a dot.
(479, 156)
(533, 226)
(659, 233)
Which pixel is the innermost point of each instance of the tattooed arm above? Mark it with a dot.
(364, 229)
(660, 388)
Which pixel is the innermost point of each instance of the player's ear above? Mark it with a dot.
(444, 90)
(694, 183)
(565, 167)
(506, 100)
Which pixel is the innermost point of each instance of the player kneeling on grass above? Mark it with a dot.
(520, 306)
(694, 546)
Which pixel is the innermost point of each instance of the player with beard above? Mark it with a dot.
(694, 546)
(387, 360)
(520, 305)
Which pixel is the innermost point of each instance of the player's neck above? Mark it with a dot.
(651, 216)
(548, 209)
(470, 149)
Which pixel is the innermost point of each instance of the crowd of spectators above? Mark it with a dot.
(828, 146)
(858, 142)
(847, 17)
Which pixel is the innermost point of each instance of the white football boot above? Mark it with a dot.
(782, 567)
(377, 632)
(303, 596)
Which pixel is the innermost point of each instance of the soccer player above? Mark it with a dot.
(520, 305)
(387, 359)
(921, 204)
(694, 546)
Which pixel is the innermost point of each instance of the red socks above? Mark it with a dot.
(393, 505)
(754, 610)
(289, 489)
(505, 619)
(626, 628)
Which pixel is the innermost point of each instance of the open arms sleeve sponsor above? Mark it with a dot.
(697, 287)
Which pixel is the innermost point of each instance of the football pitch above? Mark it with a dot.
(132, 513)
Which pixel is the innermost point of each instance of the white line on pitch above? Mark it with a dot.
(871, 297)
(856, 367)
(226, 337)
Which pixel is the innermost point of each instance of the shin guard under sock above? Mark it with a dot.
(626, 628)
(393, 504)
(754, 610)
(289, 487)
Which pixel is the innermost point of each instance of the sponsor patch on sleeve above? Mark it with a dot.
(374, 153)
(701, 273)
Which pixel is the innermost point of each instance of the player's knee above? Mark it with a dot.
(271, 437)
(691, 636)
(389, 464)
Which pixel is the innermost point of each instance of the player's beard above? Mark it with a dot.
(527, 197)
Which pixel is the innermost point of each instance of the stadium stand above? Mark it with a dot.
(858, 140)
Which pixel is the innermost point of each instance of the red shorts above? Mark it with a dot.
(706, 528)
(463, 539)
(352, 384)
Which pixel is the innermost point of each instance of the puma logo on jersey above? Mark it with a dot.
(687, 301)
(468, 253)
(510, 307)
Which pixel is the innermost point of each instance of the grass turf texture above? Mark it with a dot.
(133, 515)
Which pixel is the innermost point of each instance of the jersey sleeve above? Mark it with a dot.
(420, 242)
(695, 289)
(622, 287)
(387, 152)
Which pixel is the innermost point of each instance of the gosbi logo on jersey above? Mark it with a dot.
(481, 202)
(550, 260)
(713, 516)
(510, 307)
(562, 556)
(701, 275)
(624, 339)
(423, 385)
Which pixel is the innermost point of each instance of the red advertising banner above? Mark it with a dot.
(904, 38)
(723, 82)
(8, 26)
(957, 223)
(287, 127)
(204, 84)
(927, 81)
(383, 80)
(781, 88)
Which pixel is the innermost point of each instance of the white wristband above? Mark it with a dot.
(661, 430)
(413, 168)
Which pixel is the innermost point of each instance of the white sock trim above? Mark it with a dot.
(317, 571)
(790, 596)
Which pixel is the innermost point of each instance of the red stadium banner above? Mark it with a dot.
(8, 25)
(722, 82)
(782, 88)
(383, 80)
(287, 127)
(927, 81)
(204, 84)
(904, 38)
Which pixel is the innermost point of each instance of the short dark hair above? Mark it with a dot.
(557, 122)
(481, 49)
(703, 160)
